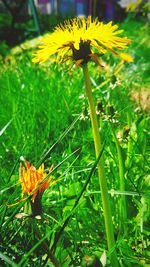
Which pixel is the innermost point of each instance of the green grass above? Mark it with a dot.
(38, 104)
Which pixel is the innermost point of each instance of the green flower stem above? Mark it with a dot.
(101, 171)
(123, 210)
(27, 207)
(45, 245)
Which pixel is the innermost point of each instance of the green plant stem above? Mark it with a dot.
(101, 171)
(32, 226)
(129, 149)
(123, 210)
(27, 207)
(45, 245)
(101, 122)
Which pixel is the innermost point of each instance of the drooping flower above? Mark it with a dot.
(31, 180)
(81, 40)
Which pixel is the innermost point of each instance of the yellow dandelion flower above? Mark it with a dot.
(31, 179)
(81, 40)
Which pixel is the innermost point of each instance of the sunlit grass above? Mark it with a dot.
(39, 104)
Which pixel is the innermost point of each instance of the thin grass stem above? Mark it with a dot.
(122, 206)
(129, 148)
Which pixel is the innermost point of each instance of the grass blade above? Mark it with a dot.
(7, 260)
(5, 127)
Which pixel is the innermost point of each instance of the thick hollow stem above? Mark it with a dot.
(101, 171)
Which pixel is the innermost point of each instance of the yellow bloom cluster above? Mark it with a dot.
(81, 40)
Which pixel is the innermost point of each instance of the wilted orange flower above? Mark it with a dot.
(31, 179)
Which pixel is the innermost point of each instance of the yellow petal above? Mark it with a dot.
(126, 57)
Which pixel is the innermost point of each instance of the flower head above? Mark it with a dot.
(31, 179)
(81, 40)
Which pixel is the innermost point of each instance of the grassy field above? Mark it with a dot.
(45, 118)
